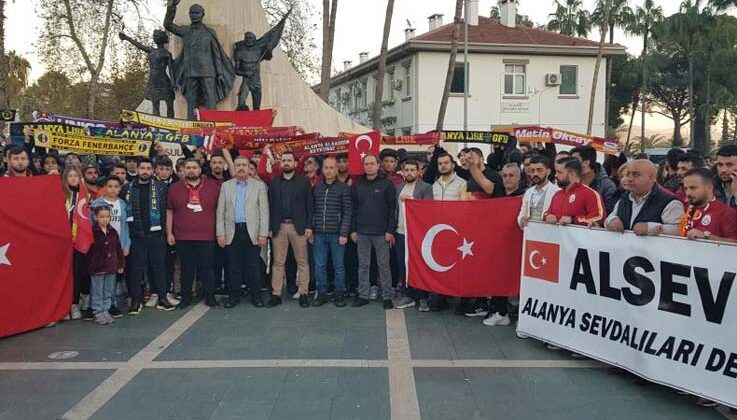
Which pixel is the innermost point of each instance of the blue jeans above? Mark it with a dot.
(102, 292)
(328, 243)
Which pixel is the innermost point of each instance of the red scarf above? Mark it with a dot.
(194, 192)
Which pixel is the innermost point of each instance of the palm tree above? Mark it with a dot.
(379, 92)
(604, 26)
(641, 23)
(457, 20)
(722, 5)
(656, 141)
(620, 14)
(570, 18)
(685, 28)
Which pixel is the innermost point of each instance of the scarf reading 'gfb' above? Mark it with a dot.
(154, 214)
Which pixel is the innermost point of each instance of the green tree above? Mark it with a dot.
(669, 92)
(329, 15)
(521, 20)
(603, 27)
(298, 40)
(655, 141)
(570, 18)
(641, 23)
(457, 23)
(14, 83)
(625, 91)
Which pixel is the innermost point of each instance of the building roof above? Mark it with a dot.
(489, 31)
(488, 37)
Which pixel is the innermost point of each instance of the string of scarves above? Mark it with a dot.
(687, 220)
(193, 202)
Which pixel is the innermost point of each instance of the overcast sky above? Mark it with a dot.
(359, 23)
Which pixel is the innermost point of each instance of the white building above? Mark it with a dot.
(517, 76)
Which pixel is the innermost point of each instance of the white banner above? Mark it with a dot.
(663, 308)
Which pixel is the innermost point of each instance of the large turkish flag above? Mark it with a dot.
(464, 248)
(358, 147)
(35, 254)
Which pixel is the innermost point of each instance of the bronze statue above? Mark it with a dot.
(159, 87)
(203, 70)
(248, 55)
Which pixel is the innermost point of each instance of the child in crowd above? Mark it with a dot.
(106, 261)
(112, 187)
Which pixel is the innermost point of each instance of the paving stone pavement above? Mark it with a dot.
(318, 363)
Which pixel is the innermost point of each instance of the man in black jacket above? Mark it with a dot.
(374, 222)
(331, 222)
(290, 219)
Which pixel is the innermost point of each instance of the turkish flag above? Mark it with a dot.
(358, 147)
(542, 260)
(35, 254)
(464, 248)
(82, 236)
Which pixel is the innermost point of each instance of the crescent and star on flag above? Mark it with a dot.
(543, 260)
(466, 248)
(4, 254)
(364, 138)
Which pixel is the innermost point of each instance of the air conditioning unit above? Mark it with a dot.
(397, 84)
(552, 79)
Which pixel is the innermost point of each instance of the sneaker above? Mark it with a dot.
(404, 302)
(359, 301)
(152, 301)
(331, 289)
(296, 295)
(349, 294)
(424, 306)
(477, 310)
(374, 293)
(115, 312)
(304, 301)
(87, 315)
(164, 305)
(135, 310)
(84, 302)
(172, 299)
(387, 304)
(439, 305)
(496, 319)
(75, 313)
(703, 402)
(100, 319)
(110, 319)
(273, 301)
(221, 292)
(339, 301)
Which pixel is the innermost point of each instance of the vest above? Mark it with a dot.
(651, 211)
(447, 192)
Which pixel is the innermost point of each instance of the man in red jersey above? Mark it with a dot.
(575, 203)
(706, 217)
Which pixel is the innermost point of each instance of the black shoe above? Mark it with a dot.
(320, 300)
(304, 301)
(350, 294)
(231, 303)
(358, 302)
(257, 302)
(331, 289)
(211, 301)
(339, 301)
(87, 315)
(387, 304)
(184, 303)
(439, 305)
(220, 292)
(164, 305)
(273, 301)
(135, 309)
(115, 312)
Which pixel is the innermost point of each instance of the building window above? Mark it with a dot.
(459, 79)
(406, 131)
(390, 85)
(569, 80)
(408, 80)
(515, 79)
(364, 93)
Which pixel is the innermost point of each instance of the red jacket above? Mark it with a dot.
(580, 203)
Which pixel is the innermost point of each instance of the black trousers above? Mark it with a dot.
(243, 258)
(220, 268)
(147, 250)
(350, 261)
(81, 276)
(196, 257)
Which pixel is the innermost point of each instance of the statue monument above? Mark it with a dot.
(159, 87)
(203, 71)
(284, 90)
(248, 55)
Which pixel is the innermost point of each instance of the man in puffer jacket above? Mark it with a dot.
(331, 225)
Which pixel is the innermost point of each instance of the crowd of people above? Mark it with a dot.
(336, 238)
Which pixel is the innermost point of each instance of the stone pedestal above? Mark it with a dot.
(284, 90)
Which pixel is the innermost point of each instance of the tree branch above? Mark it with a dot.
(73, 35)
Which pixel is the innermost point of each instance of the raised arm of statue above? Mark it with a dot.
(135, 43)
(171, 13)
